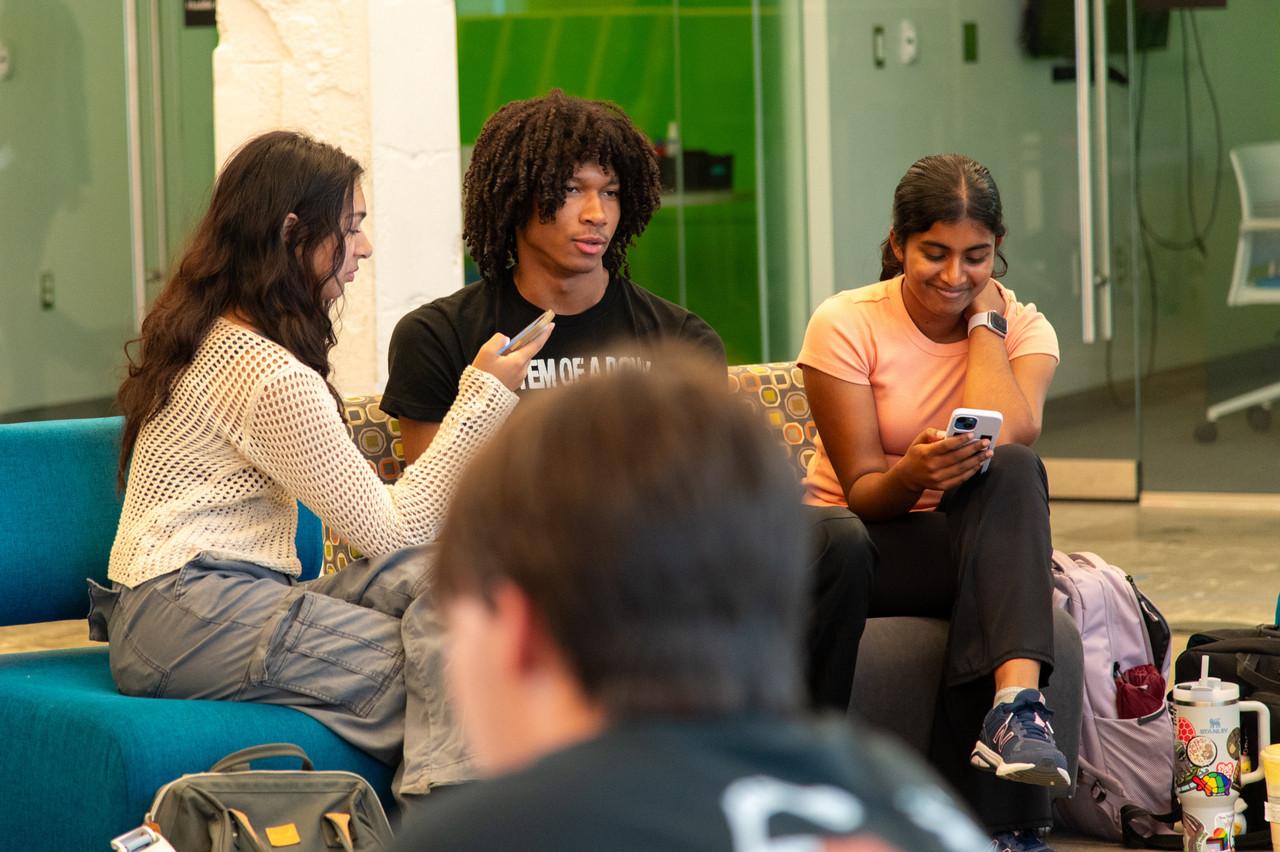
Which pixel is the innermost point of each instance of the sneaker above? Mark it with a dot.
(1017, 743)
(1018, 841)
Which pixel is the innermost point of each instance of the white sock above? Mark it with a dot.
(1006, 695)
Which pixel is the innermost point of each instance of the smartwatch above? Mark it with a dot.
(989, 319)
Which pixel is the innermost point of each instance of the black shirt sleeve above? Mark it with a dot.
(697, 331)
(425, 362)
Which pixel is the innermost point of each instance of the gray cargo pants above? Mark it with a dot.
(360, 650)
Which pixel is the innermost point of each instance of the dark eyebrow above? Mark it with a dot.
(356, 215)
(945, 247)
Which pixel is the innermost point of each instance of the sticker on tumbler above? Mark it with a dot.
(1201, 751)
(1233, 743)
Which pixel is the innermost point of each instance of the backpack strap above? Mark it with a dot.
(1134, 839)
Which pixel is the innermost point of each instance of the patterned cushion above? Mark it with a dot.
(776, 391)
(378, 436)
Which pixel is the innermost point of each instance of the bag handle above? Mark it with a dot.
(239, 761)
(1249, 652)
(1238, 645)
(1247, 669)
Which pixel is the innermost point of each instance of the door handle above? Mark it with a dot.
(1091, 151)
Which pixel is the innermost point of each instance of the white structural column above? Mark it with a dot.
(413, 65)
(378, 78)
(815, 19)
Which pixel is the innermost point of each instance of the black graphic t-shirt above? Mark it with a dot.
(705, 785)
(433, 344)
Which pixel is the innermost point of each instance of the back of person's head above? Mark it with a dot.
(241, 258)
(942, 188)
(653, 524)
(526, 154)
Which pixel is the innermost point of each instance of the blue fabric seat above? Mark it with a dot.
(80, 762)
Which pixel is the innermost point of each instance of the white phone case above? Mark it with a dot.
(981, 422)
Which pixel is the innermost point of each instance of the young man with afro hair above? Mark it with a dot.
(557, 190)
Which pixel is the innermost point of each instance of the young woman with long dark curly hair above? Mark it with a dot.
(229, 421)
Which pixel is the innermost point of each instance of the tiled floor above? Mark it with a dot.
(1202, 565)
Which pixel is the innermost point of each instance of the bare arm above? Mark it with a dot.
(416, 436)
(1016, 388)
(845, 414)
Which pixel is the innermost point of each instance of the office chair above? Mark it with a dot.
(1256, 278)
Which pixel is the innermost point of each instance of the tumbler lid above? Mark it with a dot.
(1206, 690)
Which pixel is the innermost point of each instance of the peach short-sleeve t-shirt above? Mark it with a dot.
(866, 336)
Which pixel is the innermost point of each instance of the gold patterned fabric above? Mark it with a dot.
(377, 434)
(775, 391)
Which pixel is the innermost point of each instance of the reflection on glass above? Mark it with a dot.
(64, 223)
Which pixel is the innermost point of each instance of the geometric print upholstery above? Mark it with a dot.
(377, 434)
(776, 392)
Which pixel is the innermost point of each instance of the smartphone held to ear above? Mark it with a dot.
(981, 423)
(528, 333)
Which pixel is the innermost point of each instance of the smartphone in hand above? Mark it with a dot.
(528, 333)
(980, 423)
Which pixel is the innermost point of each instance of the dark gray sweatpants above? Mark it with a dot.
(360, 650)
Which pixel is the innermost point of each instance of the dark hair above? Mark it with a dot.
(240, 258)
(942, 188)
(655, 526)
(525, 155)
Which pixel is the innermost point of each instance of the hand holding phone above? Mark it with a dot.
(981, 423)
(508, 359)
(529, 332)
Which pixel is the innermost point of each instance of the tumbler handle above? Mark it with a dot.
(1264, 737)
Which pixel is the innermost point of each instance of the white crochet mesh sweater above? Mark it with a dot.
(249, 430)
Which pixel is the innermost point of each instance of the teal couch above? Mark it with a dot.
(80, 763)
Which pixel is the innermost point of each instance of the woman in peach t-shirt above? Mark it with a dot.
(884, 366)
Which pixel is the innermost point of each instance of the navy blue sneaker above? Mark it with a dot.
(1017, 743)
(1019, 841)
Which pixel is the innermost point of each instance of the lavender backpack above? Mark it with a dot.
(1123, 761)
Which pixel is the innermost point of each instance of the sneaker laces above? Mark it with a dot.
(1031, 720)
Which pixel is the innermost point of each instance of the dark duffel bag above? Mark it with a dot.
(234, 808)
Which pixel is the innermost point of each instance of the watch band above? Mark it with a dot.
(989, 319)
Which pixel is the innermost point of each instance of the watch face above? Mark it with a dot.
(998, 322)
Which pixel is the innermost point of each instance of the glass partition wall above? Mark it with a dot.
(1137, 288)
(65, 213)
(1207, 140)
(106, 156)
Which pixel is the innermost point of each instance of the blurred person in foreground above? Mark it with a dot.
(624, 587)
